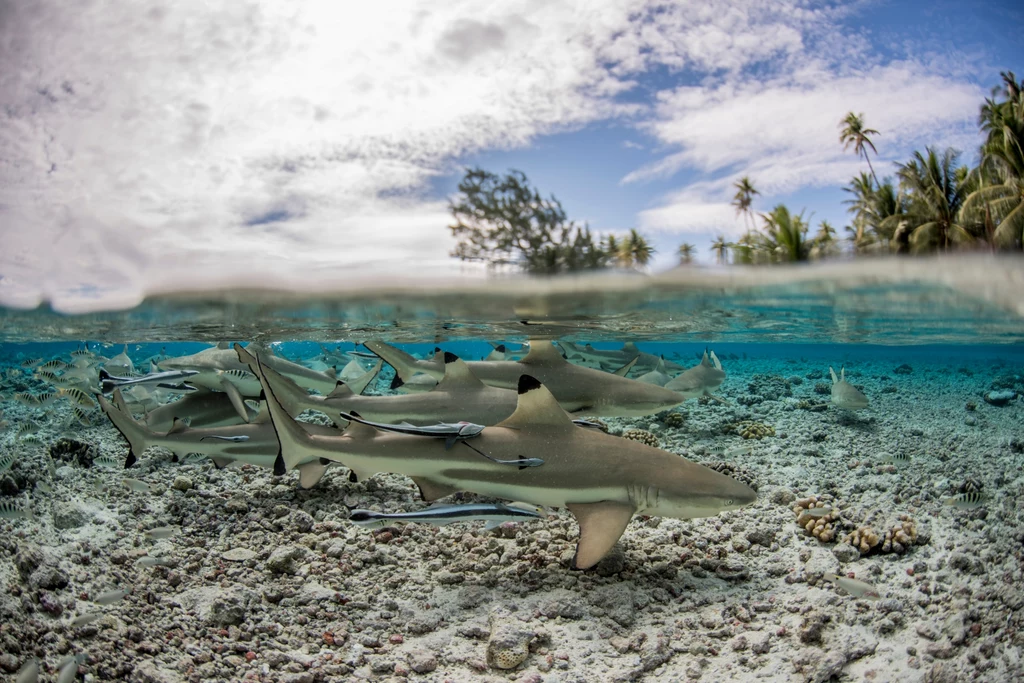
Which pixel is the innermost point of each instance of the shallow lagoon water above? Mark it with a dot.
(269, 581)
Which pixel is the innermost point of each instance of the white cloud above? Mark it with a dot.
(203, 139)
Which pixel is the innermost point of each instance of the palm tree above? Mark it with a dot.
(998, 200)
(685, 253)
(784, 235)
(824, 242)
(871, 206)
(744, 198)
(936, 187)
(720, 248)
(635, 251)
(854, 133)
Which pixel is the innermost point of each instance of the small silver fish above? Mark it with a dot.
(86, 618)
(154, 561)
(68, 668)
(817, 512)
(108, 463)
(439, 515)
(29, 672)
(137, 485)
(855, 587)
(162, 532)
(896, 457)
(43, 486)
(966, 501)
(110, 597)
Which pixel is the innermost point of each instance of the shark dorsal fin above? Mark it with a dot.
(536, 406)
(457, 374)
(543, 352)
(833, 373)
(705, 361)
(223, 345)
(630, 347)
(178, 426)
(842, 374)
(661, 366)
(714, 359)
(624, 370)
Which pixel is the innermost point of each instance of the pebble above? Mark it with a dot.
(181, 484)
(238, 554)
(508, 645)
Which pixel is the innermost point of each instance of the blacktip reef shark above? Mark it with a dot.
(603, 480)
(701, 379)
(458, 397)
(252, 444)
(579, 390)
(844, 394)
(613, 358)
(200, 408)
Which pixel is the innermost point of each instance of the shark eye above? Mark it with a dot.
(730, 501)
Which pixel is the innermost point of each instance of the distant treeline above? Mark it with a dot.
(935, 203)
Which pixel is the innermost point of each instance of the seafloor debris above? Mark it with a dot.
(643, 436)
(812, 518)
(70, 449)
(895, 539)
(674, 420)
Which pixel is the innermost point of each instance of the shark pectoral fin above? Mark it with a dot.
(601, 525)
(624, 370)
(220, 462)
(236, 398)
(311, 473)
(431, 490)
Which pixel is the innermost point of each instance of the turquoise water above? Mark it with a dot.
(727, 595)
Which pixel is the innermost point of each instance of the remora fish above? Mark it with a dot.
(844, 394)
(459, 396)
(577, 389)
(439, 515)
(603, 480)
(109, 382)
(701, 379)
(220, 444)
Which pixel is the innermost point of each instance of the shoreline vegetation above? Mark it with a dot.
(933, 203)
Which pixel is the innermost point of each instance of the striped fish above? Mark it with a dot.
(26, 399)
(966, 501)
(10, 509)
(31, 362)
(78, 396)
(6, 460)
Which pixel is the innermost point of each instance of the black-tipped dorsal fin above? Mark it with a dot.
(341, 390)
(536, 407)
(178, 426)
(457, 375)
(543, 352)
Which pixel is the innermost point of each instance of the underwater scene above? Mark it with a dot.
(813, 480)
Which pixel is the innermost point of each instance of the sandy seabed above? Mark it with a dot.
(268, 582)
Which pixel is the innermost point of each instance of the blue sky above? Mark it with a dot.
(226, 143)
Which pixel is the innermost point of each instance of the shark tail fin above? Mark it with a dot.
(403, 363)
(624, 370)
(138, 436)
(293, 441)
(358, 386)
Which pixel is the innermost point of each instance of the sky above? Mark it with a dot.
(145, 144)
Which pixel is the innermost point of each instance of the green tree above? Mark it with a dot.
(685, 252)
(824, 243)
(871, 206)
(720, 248)
(503, 220)
(854, 133)
(635, 251)
(997, 200)
(784, 235)
(743, 200)
(935, 185)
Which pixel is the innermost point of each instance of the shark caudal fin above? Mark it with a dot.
(293, 441)
(404, 364)
(138, 436)
(358, 385)
(624, 370)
